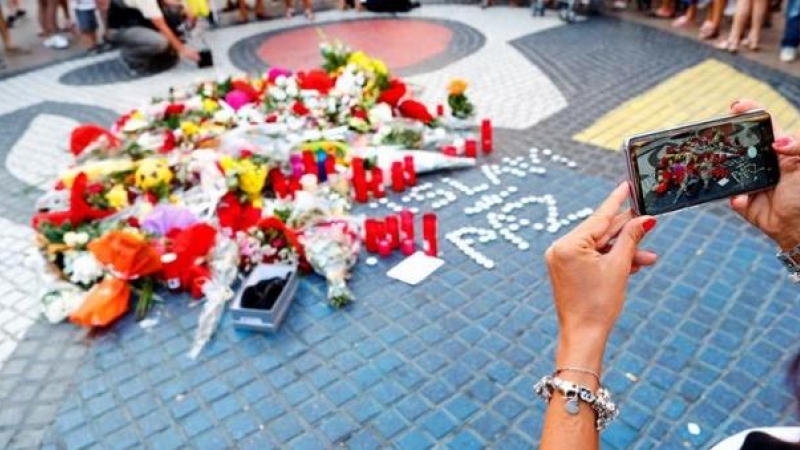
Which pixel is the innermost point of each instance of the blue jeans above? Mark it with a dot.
(791, 34)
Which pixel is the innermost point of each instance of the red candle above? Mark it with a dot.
(407, 247)
(471, 148)
(278, 182)
(429, 234)
(378, 188)
(411, 171)
(486, 135)
(294, 186)
(398, 178)
(330, 164)
(393, 231)
(361, 192)
(449, 150)
(309, 162)
(171, 271)
(440, 110)
(384, 248)
(371, 236)
(406, 225)
(358, 168)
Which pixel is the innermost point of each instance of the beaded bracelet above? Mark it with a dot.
(605, 410)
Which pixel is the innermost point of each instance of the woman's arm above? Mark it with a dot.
(589, 270)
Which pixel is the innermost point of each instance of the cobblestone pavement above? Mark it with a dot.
(450, 363)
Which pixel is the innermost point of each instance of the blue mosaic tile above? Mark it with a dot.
(414, 440)
(439, 424)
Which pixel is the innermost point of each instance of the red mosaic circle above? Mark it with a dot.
(399, 43)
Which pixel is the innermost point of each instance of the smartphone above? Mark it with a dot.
(701, 162)
(206, 60)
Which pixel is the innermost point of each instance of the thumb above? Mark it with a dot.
(630, 236)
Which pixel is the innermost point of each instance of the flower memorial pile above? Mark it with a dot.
(203, 184)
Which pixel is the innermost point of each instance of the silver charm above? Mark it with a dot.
(571, 405)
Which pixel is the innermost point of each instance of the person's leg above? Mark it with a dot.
(41, 14)
(261, 10)
(5, 36)
(791, 33)
(757, 22)
(243, 13)
(740, 19)
(309, 11)
(289, 8)
(102, 12)
(139, 46)
(666, 10)
(687, 18)
(64, 6)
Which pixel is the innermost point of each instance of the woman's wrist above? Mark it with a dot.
(583, 349)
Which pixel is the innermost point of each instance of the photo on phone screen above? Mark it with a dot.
(698, 163)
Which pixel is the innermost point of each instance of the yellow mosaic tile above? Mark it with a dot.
(697, 93)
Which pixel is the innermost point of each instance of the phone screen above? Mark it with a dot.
(703, 162)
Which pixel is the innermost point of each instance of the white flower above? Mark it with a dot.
(60, 301)
(292, 90)
(277, 94)
(280, 80)
(223, 116)
(379, 114)
(85, 269)
(74, 239)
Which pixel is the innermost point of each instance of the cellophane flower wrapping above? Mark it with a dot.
(224, 262)
(332, 248)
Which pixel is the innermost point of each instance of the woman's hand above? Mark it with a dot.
(775, 212)
(589, 270)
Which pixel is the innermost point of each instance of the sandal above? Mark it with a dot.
(309, 15)
(262, 17)
(727, 45)
(663, 14)
(13, 50)
(289, 13)
(708, 31)
(751, 44)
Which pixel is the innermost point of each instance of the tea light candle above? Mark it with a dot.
(309, 182)
(407, 247)
(471, 148)
(398, 177)
(378, 188)
(410, 170)
(429, 234)
(486, 136)
(393, 231)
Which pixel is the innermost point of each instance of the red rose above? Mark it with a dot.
(272, 118)
(300, 109)
(174, 109)
(413, 109)
(393, 93)
(134, 222)
(245, 154)
(315, 80)
(95, 188)
(359, 113)
(169, 142)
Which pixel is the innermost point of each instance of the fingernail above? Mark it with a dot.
(649, 224)
(733, 105)
(783, 142)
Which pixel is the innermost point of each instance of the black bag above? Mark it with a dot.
(121, 16)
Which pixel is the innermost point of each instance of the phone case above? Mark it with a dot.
(636, 194)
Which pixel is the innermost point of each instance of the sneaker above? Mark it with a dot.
(57, 42)
(788, 54)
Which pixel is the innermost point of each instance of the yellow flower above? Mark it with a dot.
(226, 163)
(117, 197)
(457, 86)
(189, 128)
(152, 173)
(210, 105)
(251, 177)
(360, 59)
(379, 67)
(138, 115)
(174, 199)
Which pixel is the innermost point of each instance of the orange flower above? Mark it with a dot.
(457, 86)
(127, 255)
(105, 303)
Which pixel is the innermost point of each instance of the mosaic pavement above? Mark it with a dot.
(704, 338)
